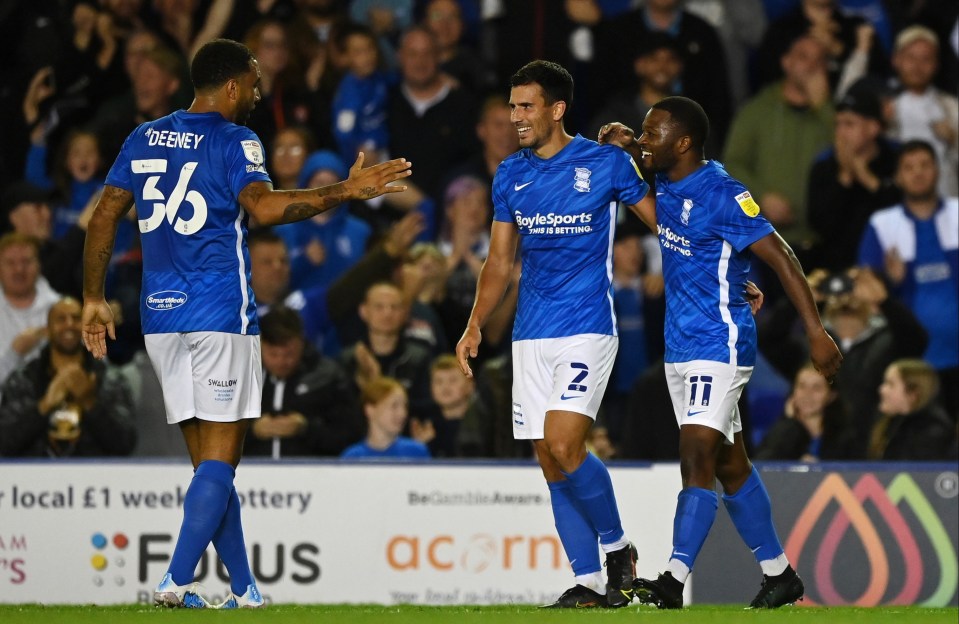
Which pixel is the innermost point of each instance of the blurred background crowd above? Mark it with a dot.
(840, 116)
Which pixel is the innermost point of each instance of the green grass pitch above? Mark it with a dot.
(370, 614)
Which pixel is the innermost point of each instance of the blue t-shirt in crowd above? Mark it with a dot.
(402, 448)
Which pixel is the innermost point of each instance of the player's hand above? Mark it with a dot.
(468, 347)
(754, 297)
(374, 181)
(825, 355)
(96, 322)
(615, 133)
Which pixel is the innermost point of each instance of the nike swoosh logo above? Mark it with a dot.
(755, 549)
(658, 194)
(585, 605)
(691, 413)
(520, 187)
(563, 397)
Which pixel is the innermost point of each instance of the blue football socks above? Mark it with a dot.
(593, 489)
(751, 513)
(204, 505)
(695, 513)
(230, 545)
(575, 530)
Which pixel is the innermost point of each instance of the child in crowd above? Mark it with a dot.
(385, 406)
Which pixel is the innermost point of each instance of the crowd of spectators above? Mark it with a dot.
(840, 116)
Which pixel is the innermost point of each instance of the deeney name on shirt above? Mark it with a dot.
(169, 138)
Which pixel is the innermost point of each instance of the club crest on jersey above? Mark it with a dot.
(687, 206)
(253, 151)
(581, 182)
(748, 204)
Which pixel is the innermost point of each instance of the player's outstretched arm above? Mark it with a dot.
(493, 279)
(775, 252)
(270, 207)
(97, 317)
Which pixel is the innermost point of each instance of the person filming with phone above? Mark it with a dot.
(871, 329)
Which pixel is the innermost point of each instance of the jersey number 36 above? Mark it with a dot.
(168, 211)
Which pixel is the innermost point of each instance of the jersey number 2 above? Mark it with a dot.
(168, 211)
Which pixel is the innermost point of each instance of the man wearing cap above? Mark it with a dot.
(921, 111)
(853, 180)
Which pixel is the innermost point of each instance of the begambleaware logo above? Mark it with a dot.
(901, 492)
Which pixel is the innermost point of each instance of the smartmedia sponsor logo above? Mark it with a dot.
(166, 300)
(439, 498)
(893, 577)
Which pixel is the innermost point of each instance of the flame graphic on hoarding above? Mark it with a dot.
(903, 490)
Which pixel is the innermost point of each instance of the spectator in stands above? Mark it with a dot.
(77, 174)
(156, 83)
(498, 138)
(911, 425)
(288, 152)
(740, 25)
(704, 60)
(26, 299)
(459, 431)
(825, 22)
(385, 407)
(308, 408)
(386, 19)
(360, 101)
(26, 211)
(659, 69)
(423, 280)
(428, 112)
(776, 135)
(326, 246)
(921, 110)
(815, 424)
(871, 329)
(852, 181)
(444, 18)
(385, 351)
(915, 246)
(631, 289)
(65, 402)
(464, 240)
(283, 97)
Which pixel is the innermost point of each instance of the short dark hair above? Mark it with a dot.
(689, 116)
(553, 78)
(217, 62)
(262, 235)
(917, 145)
(281, 325)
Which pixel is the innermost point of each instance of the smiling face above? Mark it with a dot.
(63, 327)
(660, 141)
(535, 120)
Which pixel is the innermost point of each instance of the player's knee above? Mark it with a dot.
(568, 454)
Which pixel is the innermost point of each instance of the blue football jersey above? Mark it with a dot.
(186, 171)
(706, 223)
(565, 210)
